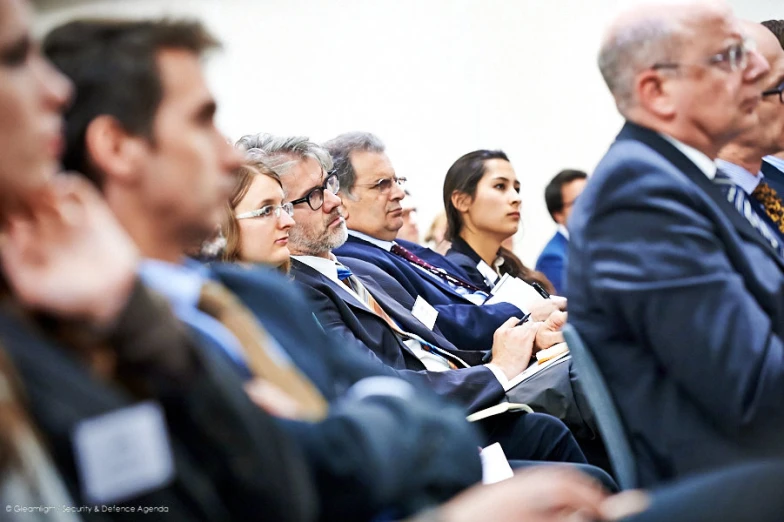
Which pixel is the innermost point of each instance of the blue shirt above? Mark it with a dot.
(181, 286)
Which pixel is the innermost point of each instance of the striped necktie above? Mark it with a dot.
(350, 280)
(740, 200)
(257, 345)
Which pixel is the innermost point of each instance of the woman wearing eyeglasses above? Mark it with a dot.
(258, 221)
(482, 202)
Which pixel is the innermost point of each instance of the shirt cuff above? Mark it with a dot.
(499, 374)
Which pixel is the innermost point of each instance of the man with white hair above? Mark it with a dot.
(681, 292)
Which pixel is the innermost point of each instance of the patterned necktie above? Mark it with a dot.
(263, 360)
(771, 201)
(739, 199)
(350, 280)
(439, 272)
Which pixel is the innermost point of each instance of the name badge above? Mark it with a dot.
(425, 313)
(488, 273)
(123, 454)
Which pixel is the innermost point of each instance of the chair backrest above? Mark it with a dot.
(609, 422)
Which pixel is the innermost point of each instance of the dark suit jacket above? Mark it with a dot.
(552, 262)
(682, 303)
(467, 325)
(463, 256)
(363, 461)
(340, 312)
(232, 462)
(774, 177)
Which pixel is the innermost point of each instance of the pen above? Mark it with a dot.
(524, 319)
(540, 290)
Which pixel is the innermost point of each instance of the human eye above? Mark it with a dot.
(16, 54)
(265, 211)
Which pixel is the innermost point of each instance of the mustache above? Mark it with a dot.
(336, 213)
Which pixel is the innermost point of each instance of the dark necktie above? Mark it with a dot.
(438, 272)
(220, 303)
(740, 200)
(350, 280)
(772, 203)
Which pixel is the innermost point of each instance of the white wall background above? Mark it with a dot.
(433, 78)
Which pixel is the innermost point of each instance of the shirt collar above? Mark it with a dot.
(775, 161)
(563, 231)
(386, 245)
(327, 267)
(740, 176)
(701, 160)
(179, 283)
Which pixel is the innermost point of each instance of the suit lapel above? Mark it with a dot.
(632, 131)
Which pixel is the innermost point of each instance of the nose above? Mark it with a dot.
(57, 88)
(285, 221)
(330, 202)
(397, 193)
(757, 66)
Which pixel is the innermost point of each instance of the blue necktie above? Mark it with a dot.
(740, 200)
(343, 272)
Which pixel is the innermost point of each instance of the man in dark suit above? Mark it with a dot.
(741, 160)
(360, 312)
(371, 194)
(95, 367)
(560, 195)
(142, 133)
(678, 295)
(773, 164)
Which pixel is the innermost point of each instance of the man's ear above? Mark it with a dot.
(559, 218)
(112, 150)
(461, 201)
(654, 94)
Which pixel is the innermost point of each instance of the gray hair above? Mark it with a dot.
(341, 148)
(281, 153)
(633, 48)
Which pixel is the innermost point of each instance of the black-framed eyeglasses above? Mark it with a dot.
(778, 90)
(733, 58)
(268, 211)
(315, 198)
(384, 185)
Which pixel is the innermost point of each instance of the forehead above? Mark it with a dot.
(371, 166)
(768, 45)
(14, 20)
(182, 79)
(708, 29)
(305, 175)
(498, 168)
(263, 187)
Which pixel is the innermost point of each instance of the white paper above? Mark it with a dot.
(495, 467)
(514, 291)
(123, 454)
(425, 313)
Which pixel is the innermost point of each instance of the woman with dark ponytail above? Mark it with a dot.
(482, 202)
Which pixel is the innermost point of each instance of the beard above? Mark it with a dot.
(310, 242)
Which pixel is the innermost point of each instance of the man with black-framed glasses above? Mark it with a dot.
(745, 185)
(773, 164)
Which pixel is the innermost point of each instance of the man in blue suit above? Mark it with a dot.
(371, 193)
(145, 134)
(679, 297)
(560, 195)
(741, 160)
(773, 165)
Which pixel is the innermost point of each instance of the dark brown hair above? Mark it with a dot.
(113, 66)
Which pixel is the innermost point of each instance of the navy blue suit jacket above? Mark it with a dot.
(552, 262)
(340, 312)
(681, 302)
(363, 461)
(774, 177)
(468, 326)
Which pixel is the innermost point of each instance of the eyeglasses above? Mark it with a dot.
(315, 198)
(384, 185)
(268, 211)
(733, 58)
(778, 90)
